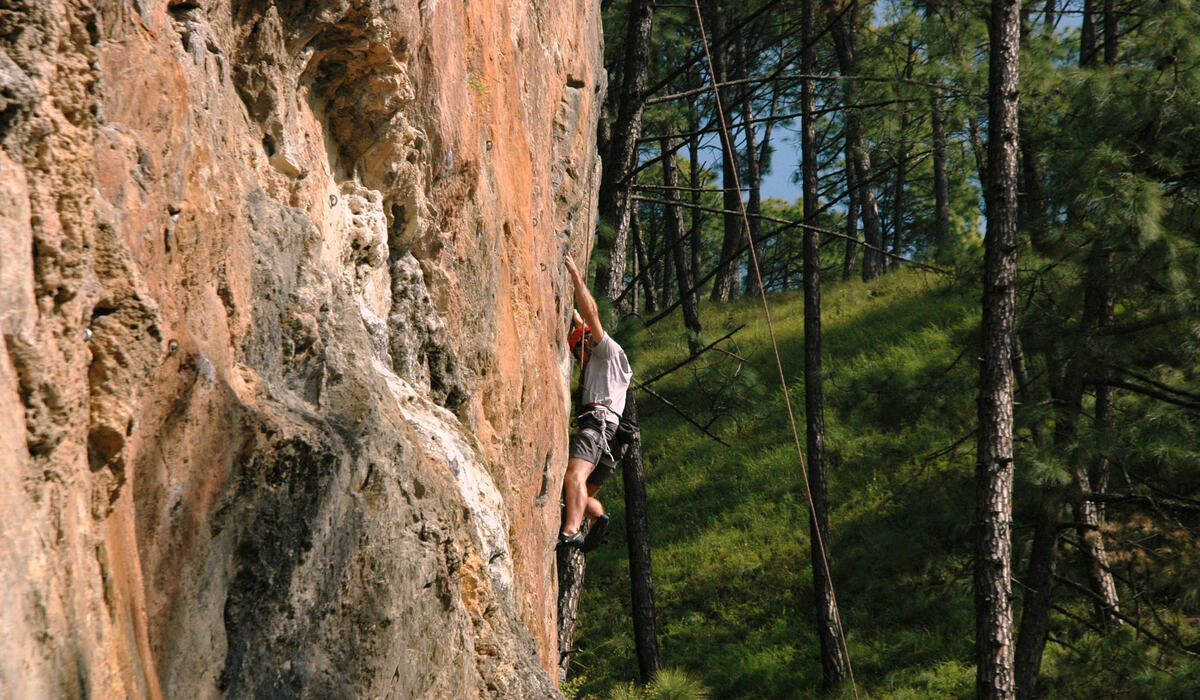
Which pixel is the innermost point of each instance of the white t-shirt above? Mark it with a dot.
(606, 377)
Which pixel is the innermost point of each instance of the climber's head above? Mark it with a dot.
(578, 341)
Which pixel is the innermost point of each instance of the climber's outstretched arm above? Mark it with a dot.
(585, 301)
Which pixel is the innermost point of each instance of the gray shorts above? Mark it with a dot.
(590, 442)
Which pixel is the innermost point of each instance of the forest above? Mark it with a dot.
(910, 289)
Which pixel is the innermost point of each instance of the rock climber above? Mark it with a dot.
(604, 379)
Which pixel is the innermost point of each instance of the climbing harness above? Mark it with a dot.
(774, 344)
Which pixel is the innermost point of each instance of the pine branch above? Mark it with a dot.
(712, 128)
(685, 416)
(1174, 646)
(797, 224)
(1170, 502)
(1158, 385)
(1165, 398)
(689, 358)
(944, 89)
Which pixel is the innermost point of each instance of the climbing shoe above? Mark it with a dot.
(595, 536)
(575, 540)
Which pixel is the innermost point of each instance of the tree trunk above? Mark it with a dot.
(616, 180)
(994, 466)
(843, 31)
(677, 235)
(571, 568)
(1043, 560)
(1110, 33)
(1098, 306)
(898, 197)
(642, 271)
(848, 260)
(753, 170)
(637, 527)
(1087, 36)
(833, 661)
(898, 201)
(980, 150)
(667, 280)
(725, 285)
(1039, 598)
(697, 220)
(941, 181)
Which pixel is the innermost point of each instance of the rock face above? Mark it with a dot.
(283, 401)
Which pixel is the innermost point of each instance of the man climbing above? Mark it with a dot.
(603, 381)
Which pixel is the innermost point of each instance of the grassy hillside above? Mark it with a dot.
(730, 524)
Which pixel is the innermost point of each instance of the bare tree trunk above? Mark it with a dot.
(1110, 33)
(994, 465)
(1039, 598)
(675, 232)
(941, 181)
(571, 567)
(616, 181)
(1098, 305)
(833, 661)
(1043, 560)
(637, 527)
(697, 220)
(667, 281)
(725, 287)
(898, 201)
(843, 31)
(898, 210)
(753, 170)
(980, 150)
(642, 270)
(1087, 35)
(849, 259)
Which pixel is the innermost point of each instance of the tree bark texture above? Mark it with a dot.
(843, 31)
(643, 261)
(1110, 33)
(1039, 597)
(753, 167)
(724, 286)
(833, 660)
(1038, 586)
(1087, 35)
(898, 200)
(637, 528)
(571, 567)
(1098, 307)
(941, 180)
(697, 216)
(994, 465)
(850, 258)
(615, 179)
(677, 235)
(898, 211)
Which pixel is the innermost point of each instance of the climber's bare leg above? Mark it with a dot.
(576, 493)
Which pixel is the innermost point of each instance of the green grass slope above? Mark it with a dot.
(730, 524)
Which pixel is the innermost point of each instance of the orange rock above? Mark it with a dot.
(283, 402)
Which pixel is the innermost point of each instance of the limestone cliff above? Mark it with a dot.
(283, 393)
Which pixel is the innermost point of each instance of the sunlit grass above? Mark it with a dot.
(731, 547)
(730, 524)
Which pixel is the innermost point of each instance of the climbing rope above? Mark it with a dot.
(725, 145)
